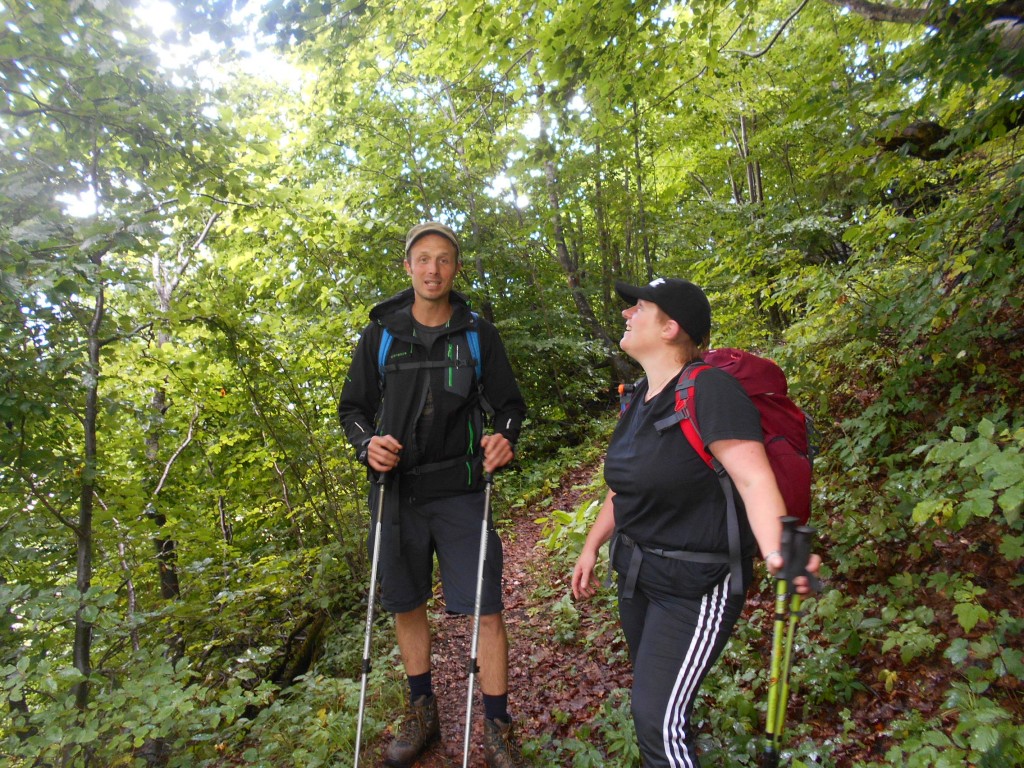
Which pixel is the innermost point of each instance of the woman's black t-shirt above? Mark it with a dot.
(665, 495)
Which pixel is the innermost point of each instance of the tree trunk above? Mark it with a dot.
(586, 312)
(753, 167)
(737, 190)
(164, 285)
(166, 549)
(604, 237)
(487, 307)
(641, 210)
(82, 648)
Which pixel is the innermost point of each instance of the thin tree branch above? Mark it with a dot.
(119, 336)
(177, 453)
(36, 494)
(775, 37)
(188, 258)
(697, 177)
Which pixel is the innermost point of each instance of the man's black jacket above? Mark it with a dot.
(444, 459)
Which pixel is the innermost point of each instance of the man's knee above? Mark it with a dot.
(492, 624)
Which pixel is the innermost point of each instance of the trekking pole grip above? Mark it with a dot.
(802, 539)
(789, 525)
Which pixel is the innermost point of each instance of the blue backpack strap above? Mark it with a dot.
(382, 352)
(473, 336)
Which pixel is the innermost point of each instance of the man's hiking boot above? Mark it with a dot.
(501, 748)
(419, 730)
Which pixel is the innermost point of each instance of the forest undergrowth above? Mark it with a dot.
(877, 665)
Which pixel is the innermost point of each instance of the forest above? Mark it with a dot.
(201, 201)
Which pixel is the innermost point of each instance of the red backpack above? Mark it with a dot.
(787, 434)
(787, 429)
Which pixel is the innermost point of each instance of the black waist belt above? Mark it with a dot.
(635, 560)
(437, 466)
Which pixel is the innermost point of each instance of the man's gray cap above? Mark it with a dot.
(431, 228)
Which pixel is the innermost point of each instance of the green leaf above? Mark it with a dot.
(958, 651)
(925, 511)
(1010, 501)
(1012, 547)
(936, 739)
(969, 614)
(984, 738)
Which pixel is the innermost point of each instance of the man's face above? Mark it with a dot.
(432, 264)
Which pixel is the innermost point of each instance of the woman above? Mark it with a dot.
(664, 502)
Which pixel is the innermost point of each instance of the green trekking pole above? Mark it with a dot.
(770, 757)
(799, 550)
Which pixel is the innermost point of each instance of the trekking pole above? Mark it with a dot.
(801, 553)
(797, 556)
(770, 758)
(473, 668)
(370, 597)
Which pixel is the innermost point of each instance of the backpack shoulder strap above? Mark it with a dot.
(685, 416)
(685, 412)
(473, 336)
(382, 352)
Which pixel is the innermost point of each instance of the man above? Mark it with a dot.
(419, 422)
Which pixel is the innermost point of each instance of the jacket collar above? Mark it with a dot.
(395, 313)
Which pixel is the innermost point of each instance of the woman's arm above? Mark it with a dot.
(584, 580)
(748, 468)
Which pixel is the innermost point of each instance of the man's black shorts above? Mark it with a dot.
(449, 528)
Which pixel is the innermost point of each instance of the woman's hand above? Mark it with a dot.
(584, 580)
(775, 564)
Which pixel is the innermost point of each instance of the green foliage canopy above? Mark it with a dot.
(179, 512)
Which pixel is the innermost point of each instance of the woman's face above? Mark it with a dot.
(645, 324)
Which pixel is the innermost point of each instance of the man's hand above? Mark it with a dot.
(383, 453)
(497, 452)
